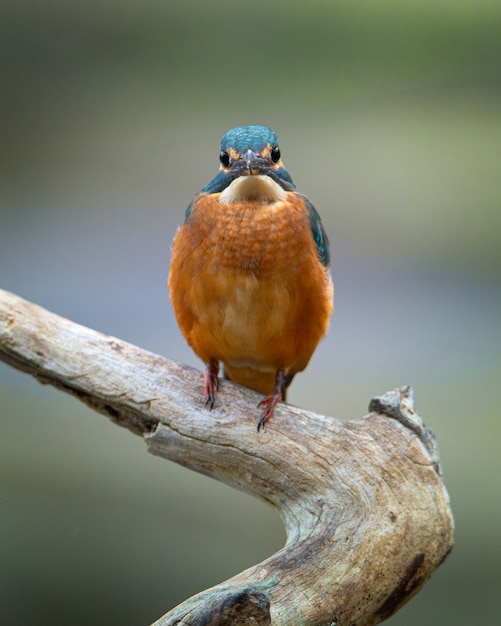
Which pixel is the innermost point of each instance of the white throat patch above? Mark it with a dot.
(252, 188)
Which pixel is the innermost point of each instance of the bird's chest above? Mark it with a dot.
(252, 240)
(244, 277)
(243, 268)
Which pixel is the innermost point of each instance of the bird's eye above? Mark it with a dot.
(224, 157)
(275, 154)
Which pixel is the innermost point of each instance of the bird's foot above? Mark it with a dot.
(211, 383)
(270, 402)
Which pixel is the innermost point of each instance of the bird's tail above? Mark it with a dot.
(264, 382)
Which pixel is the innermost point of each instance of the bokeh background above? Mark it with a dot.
(389, 115)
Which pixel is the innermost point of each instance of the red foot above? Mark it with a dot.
(211, 383)
(271, 401)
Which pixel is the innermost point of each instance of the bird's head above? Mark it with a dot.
(253, 152)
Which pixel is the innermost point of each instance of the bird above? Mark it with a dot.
(249, 278)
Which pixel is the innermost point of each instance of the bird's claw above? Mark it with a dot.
(269, 403)
(211, 383)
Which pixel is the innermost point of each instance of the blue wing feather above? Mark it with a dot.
(318, 232)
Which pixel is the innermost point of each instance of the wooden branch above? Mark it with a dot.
(366, 512)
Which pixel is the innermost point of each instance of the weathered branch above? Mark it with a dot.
(366, 512)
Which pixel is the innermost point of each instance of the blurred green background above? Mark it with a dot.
(389, 115)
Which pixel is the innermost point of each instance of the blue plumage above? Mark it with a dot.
(243, 138)
(257, 139)
(319, 234)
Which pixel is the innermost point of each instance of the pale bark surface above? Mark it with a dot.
(366, 512)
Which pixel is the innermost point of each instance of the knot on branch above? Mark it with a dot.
(235, 607)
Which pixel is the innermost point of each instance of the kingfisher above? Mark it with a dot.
(249, 278)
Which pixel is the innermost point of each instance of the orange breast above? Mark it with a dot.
(248, 288)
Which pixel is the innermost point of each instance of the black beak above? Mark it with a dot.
(251, 164)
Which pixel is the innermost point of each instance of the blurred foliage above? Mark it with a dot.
(389, 115)
(410, 89)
